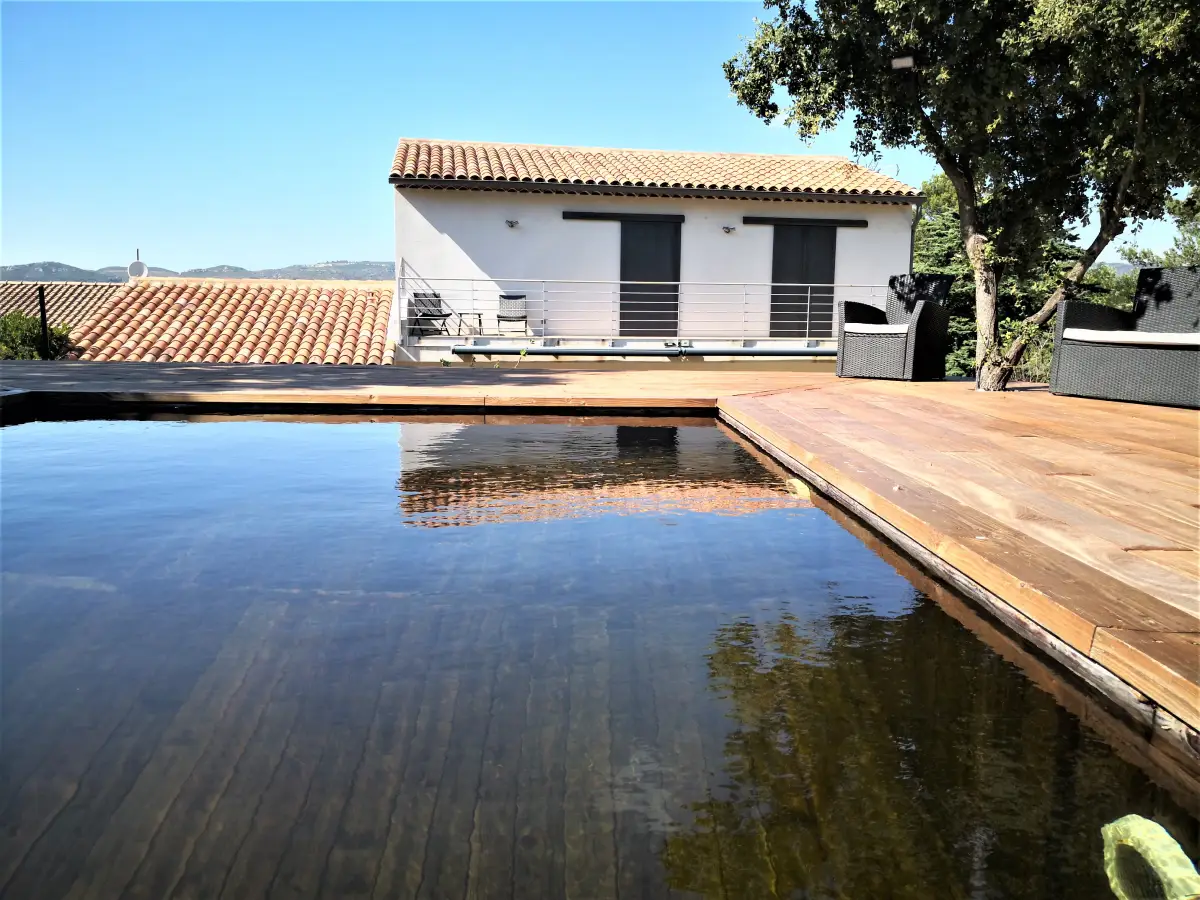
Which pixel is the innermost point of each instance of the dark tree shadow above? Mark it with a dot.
(877, 757)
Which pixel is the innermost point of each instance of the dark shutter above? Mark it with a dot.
(650, 252)
(803, 255)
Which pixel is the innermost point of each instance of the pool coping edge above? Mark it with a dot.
(1156, 723)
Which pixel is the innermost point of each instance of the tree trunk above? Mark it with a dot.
(1001, 370)
(987, 324)
(995, 373)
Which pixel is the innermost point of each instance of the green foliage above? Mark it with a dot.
(940, 197)
(1186, 250)
(854, 767)
(1040, 112)
(21, 338)
(1022, 288)
(1116, 288)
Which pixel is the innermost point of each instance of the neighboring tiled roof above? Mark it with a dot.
(484, 163)
(67, 302)
(191, 320)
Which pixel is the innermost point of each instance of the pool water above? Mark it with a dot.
(378, 659)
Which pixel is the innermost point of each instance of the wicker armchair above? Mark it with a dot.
(907, 340)
(1149, 355)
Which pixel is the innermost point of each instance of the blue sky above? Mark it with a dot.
(260, 135)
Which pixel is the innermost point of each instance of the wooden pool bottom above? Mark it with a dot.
(1075, 521)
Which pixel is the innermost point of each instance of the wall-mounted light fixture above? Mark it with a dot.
(728, 229)
(511, 223)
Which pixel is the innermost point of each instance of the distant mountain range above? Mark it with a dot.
(338, 270)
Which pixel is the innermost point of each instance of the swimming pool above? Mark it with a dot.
(439, 659)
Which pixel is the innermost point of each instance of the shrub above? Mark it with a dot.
(21, 338)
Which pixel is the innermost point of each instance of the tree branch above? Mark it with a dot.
(1112, 215)
(963, 185)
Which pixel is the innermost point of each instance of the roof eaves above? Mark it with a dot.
(642, 190)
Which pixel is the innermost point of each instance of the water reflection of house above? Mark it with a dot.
(477, 474)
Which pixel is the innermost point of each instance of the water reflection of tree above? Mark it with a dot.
(897, 757)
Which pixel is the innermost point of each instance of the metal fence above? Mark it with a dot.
(602, 310)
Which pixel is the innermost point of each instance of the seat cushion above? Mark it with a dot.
(871, 328)
(1140, 338)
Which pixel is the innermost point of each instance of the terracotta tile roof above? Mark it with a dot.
(67, 302)
(192, 320)
(472, 161)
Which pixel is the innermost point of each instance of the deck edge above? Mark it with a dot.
(1150, 717)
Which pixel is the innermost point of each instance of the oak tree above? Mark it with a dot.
(1039, 112)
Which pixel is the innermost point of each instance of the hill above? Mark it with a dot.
(54, 271)
(118, 272)
(1120, 268)
(337, 270)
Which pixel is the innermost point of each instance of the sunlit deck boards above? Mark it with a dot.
(668, 386)
(1083, 515)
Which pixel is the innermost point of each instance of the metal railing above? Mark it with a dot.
(605, 310)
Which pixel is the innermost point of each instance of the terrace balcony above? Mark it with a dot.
(598, 319)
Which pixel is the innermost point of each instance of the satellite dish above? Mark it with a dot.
(138, 269)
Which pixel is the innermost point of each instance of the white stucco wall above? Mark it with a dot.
(458, 242)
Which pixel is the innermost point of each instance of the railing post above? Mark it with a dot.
(403, 336)
(745, 311)
(613, 314)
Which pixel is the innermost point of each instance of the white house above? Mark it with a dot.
(586, 252)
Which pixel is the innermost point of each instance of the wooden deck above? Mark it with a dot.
(511, 386)
(1080, 515)
(1078, 520)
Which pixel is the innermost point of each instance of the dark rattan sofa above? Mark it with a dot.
(1149, 355)
(907, 340)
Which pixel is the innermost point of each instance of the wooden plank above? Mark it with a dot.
(1145, 507)
(590, 849)
(448, 847)
(541, 780)
(322, 688)
(1131, 744)
(120, 850)
(102, 777)
(402, 861)
(176, 832)
(493, 835)
(641, 819)
(682, 759)
(1164, 665)
(1061, 593)
(363, 641)
(575, 401)
(693, 421)
(215, 850)
(1072, 448)
(131, 384)
(354, 859)
(1185, 561)
(1084, 444)
(1086, 535)
(1060, 419)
